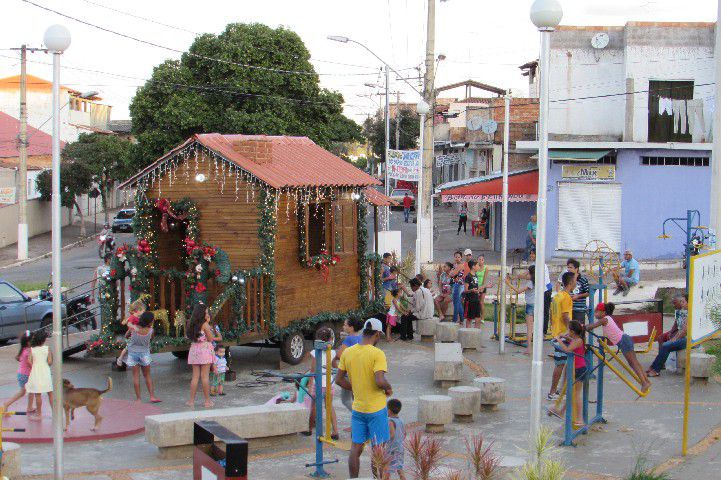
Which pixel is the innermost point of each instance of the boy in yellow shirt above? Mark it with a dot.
(561, 311)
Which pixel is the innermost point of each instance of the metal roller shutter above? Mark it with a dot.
(588, 211)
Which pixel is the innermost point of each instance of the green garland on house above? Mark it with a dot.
(267, 228)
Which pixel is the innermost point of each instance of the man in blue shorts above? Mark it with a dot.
(362, 369)
(630, 275)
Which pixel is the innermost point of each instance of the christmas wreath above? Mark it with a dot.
(322, 262)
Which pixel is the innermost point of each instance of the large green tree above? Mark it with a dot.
(75, 180)
(374, 131)
(200, 95)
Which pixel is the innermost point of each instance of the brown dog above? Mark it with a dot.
(89, 398)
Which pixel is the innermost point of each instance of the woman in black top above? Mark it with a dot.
(473, 302)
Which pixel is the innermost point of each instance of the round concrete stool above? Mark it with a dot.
(427, 329)
(466, 401)
(470, 338)
(11, 460)
(701, 364)
(447, 332)
(435, 411)
(493, 391)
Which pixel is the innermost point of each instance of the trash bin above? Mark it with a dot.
(213, 462)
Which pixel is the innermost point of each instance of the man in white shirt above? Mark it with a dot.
(420, 301)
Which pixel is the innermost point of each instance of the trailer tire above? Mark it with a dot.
(292, 348)
(181, 354)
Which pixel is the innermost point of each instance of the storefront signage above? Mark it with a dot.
(489, 198)
(589, 172)
(7, 195)
(404, 164)
(448, 159)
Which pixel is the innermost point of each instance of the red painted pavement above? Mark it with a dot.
(121, 418)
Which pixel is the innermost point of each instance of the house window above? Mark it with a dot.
(661, 122)
(344, 228)
(675, 161)
(316, 215)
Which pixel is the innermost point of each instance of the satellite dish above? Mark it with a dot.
(489, 127)
(600, 40)
(474, 123)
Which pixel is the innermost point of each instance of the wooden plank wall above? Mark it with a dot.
(300, 291)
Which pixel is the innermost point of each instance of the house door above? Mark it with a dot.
(588, 211)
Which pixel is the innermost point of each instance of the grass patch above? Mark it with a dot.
(33, 286)
(713, 347)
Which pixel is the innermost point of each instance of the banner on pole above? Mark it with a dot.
(404, 164)
(704, 310)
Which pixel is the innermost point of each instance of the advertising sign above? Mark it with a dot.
(589, 172)
(448, 159)
(704, 309)
(7, 195)
(404, 164)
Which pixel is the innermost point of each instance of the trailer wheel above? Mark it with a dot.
(181, 354)
(292, 348)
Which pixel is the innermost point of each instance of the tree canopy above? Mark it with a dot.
(374, 131)
(200, 95)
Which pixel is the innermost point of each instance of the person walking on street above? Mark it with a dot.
(462, 217)
(362, 369)
(407, 204)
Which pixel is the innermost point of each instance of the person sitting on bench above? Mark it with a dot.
(675, 341)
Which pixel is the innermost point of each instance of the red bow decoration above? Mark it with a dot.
(199, 287)
(190, 245)
(163, 204)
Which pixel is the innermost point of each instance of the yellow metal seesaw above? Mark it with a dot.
(629, 370)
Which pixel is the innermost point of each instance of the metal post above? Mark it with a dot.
(715, 200)
(318, 400)
(540, 282)
(689, 247)
(386, 220)
(420, 201)
(504, 222)
(22, 194)
(398, 122)
(57, 340)
(424, 215)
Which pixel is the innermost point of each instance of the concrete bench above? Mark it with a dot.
(172, 430)
(493, 391)
(427, 329)
(447, 332)
(448, 367)
(470, 338)
(11, 460)
(435, 411)
(466, 402)
(701, 365)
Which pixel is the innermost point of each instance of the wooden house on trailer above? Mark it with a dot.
(270, 231)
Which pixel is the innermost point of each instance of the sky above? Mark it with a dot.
(483, 40)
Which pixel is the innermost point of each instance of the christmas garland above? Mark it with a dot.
(267, 228)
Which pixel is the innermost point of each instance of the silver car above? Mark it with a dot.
(18, 312)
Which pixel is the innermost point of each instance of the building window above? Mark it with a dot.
(664, 124)
(316, 216)
(330, 227)
(676, 161)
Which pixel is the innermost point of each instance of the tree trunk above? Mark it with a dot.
(104, 203)
(82, 218)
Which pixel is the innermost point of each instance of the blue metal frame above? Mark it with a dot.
(320, 348)
(690, 232)
(570, 434)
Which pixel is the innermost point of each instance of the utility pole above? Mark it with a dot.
(425, 217)
(387, 219)
(398, 123)
(715, 200)
(504, 221)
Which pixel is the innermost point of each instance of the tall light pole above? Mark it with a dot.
(715, 204)
(57, 40)
(388, 69)
(422, 108)
(545, 15)
(22, 194)
(504, 222)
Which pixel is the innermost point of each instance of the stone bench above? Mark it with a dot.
(493, 391)
(466, 402)
(427, 329)
(701, 365)
(11, 460)
(435, 411)
(470, 338)
(172, 433)
(447, 332)
(448, 366)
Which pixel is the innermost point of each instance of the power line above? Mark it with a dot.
(183, 52)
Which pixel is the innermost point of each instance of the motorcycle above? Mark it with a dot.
(78, 312)
(106, 243)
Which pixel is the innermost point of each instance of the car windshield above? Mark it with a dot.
(125, 214)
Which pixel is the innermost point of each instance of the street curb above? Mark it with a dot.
(46, 255)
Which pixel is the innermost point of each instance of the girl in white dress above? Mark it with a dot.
(40, 380)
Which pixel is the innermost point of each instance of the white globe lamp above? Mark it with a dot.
(546, 14)
(57, 38)
(423, 108)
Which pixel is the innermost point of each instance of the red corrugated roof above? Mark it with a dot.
(39, 142)
(378, 199)
(295, 162)
(520, 185)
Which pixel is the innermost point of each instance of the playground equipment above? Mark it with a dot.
(3, 413)
(696, 237)
(600, 259)
(322, 436)
(514, 336)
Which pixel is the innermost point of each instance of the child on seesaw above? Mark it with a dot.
(578, 347)
(616, 337)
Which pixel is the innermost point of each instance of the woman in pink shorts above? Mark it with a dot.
(202, 354)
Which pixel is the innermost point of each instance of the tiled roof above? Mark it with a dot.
(293, 161)
(39, 142)
(378, 199)
(120, 126)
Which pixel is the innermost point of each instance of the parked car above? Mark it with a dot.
(123, 221)
(19, 312)
(399, 193)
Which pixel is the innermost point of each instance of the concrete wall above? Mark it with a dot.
(650, 194)
(519, 213)
(39, 220)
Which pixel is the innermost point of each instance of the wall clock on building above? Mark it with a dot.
(599, 42)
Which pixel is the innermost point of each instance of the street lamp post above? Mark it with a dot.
(57, 40)
(545, 15)
(422, 108)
